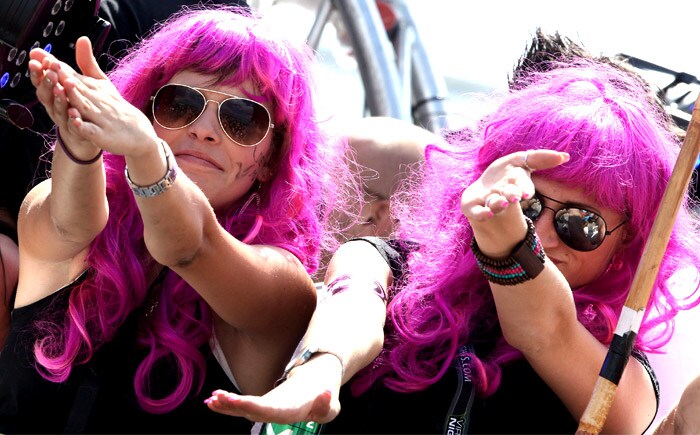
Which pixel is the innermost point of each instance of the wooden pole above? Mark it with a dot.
(596, 412)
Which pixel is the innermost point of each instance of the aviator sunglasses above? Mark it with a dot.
(580, 229)
(244, 121)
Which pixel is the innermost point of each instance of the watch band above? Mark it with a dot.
(161, 185)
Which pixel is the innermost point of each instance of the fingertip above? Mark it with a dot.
(565, 157)
(73, 114)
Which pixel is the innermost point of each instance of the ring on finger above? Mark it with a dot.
(525, 165)
(490, 199)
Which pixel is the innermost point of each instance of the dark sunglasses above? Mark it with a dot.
(580, 229)
(244, 121)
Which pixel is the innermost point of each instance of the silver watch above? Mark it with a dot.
(161, 185)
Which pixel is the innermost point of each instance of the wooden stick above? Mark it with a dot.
(596, 412)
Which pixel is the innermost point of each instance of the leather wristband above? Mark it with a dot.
(161, 185)
(525, 262)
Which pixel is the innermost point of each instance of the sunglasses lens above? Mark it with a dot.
(580, 229)
(245, 121)
(176, 106)
(531, 208)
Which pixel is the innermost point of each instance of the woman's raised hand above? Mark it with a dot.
(87, 107)
(492, 203)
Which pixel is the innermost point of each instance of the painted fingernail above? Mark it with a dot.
(48, 80)
(515, 199)
(208, 401)
(504, 203)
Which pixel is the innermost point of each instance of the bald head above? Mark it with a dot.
(385, 148)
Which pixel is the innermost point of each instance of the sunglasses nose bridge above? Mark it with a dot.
(546, 230)
(205, 105)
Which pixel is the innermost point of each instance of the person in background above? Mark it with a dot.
(684, 418)
(171, 249)
(528, 233)
(387, 151)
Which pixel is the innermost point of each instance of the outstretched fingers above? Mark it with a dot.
(275, 407)
(506, 182)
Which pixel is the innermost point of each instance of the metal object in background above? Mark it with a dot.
(677, 90)
(53, 25)
(398, 77)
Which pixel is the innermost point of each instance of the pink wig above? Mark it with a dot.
(308, 172)
(621, 151)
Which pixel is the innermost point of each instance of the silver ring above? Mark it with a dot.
(527, 167)
(487, 203)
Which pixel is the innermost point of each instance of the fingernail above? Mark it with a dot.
(48, 80)
(504, 203)
(208, 401)
(515, 199)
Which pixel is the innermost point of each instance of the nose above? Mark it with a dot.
(206, 127)
(544, 227)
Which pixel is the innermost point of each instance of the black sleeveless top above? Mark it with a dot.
(99, 396)
(522, 404)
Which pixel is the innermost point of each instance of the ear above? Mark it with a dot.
(381, 217)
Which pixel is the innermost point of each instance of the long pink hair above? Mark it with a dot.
(309, 171)
(622, 151)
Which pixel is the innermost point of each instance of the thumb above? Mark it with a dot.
(86, 60)
(321, 408)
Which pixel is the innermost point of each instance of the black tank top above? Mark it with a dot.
(98, 397)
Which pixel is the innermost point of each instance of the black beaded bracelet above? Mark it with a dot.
(524, 263)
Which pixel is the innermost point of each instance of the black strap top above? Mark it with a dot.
(98, 396)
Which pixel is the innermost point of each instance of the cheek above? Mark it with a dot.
(168, 136)
(586, 267)
(261, 162)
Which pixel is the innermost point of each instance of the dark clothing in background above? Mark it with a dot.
(24, 154)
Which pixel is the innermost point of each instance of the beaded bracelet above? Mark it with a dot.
(523, 264)
(72, 157)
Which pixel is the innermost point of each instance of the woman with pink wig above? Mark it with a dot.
(171, 249)
(529, 231)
